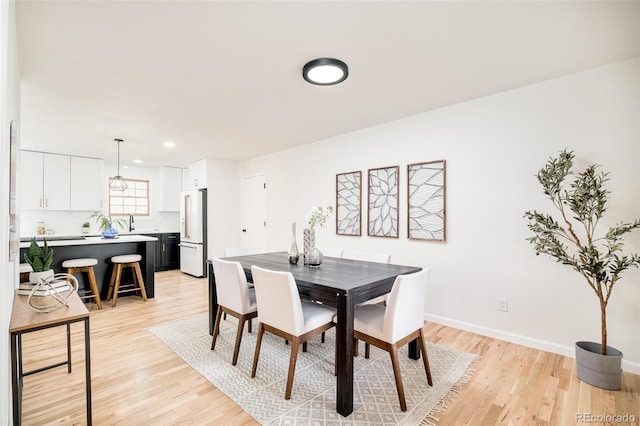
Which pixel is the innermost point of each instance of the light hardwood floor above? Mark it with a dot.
(137, 380)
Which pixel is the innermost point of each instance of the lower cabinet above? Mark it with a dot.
(167, 251)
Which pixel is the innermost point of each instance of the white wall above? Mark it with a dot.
(493, 147)
(9, 110)
(223, 201)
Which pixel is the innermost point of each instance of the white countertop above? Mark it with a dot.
(94, 240)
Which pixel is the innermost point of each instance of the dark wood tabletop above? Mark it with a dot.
(338, 282)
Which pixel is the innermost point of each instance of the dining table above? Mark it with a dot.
(338, 282)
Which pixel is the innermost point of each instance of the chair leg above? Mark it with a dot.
(112, 281)
(292, 367)
(425, 357)
(322, 337)
(249, 328)
(116, 286)
(136, 267)
(236, 348)
(396, 373)
(216, 329)
(367, 350)
(355, 347)
(256, 355)
(304, 347)
(94, 286)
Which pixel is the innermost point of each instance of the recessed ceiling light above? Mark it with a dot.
(169, 144)
(137, 161)
(325, 71)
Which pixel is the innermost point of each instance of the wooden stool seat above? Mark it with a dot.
(119, 263)
(85, 265)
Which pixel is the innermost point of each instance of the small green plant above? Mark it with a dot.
(104, 221)
(39, 258)
(573, 240)
(86, 225)
(319, 216)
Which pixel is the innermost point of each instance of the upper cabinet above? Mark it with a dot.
(87, 185)
(171, 182)
(45, 181)
(197, 175)
(60, 182)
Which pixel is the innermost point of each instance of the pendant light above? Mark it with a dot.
(118, 183)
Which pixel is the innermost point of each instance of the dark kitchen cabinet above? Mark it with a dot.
(170, 255)
(167, 251)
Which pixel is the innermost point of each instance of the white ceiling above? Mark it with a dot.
(223, 79)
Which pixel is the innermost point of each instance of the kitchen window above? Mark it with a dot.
(133, 200)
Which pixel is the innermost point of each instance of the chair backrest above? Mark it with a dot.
(331, 252)
(232, 290)
(241, 251)
(371, 257)
(404, 313)
(278, 300)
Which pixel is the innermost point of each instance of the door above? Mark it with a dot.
(254, 211)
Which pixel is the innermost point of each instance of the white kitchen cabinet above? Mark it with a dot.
(197, 173)
(87, 185)
(171, 186)
(45, 181)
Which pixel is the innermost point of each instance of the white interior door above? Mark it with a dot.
(254, 211)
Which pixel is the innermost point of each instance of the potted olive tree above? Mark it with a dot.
(573, 241)
(40, 259)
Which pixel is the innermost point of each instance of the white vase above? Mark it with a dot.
(35, 277)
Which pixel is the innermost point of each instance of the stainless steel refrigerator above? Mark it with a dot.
(193, 232)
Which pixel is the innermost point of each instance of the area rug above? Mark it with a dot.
(313, 399)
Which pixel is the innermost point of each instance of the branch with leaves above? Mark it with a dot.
(582, 204)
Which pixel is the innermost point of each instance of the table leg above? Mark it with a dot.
(69, 348)
(16, 378)
(87, 362)
(414, 349)
(213, 298)
(344, 349)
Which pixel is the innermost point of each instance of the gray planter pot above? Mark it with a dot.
(602, 371)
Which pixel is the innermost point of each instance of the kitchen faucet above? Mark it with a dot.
(131, 225)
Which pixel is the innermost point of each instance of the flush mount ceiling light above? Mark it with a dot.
(325, 71)
(118, 183)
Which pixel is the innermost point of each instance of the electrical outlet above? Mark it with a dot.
(503, 304)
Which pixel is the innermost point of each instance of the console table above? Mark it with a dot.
(25, 320)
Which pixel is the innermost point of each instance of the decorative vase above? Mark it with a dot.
(308, 241)
(315, 258)
(294, 254)
(35, 277)
(602, 371)
(110, 232)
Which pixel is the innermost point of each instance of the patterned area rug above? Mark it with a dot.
(314, 389)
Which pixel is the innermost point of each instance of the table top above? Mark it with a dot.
(336, 274)
(23, 318)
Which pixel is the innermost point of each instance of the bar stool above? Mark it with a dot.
(85, 265)
(119, 263)
(25, 270)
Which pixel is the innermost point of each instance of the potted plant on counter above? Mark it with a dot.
(598, 258)
(86, 227)
(40, 259)
(105, 224)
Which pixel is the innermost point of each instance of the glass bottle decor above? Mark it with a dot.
(294, 254)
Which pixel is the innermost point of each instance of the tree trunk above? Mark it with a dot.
(603, 325)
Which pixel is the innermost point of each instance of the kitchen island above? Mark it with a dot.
(102, 249)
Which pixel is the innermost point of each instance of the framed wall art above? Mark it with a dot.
(383, 202)
(349, 203)
(426, 201)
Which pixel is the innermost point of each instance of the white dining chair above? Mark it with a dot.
(396, 324)
(281, 312)
(234, 298)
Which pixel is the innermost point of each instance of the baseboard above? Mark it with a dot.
(543, 345)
